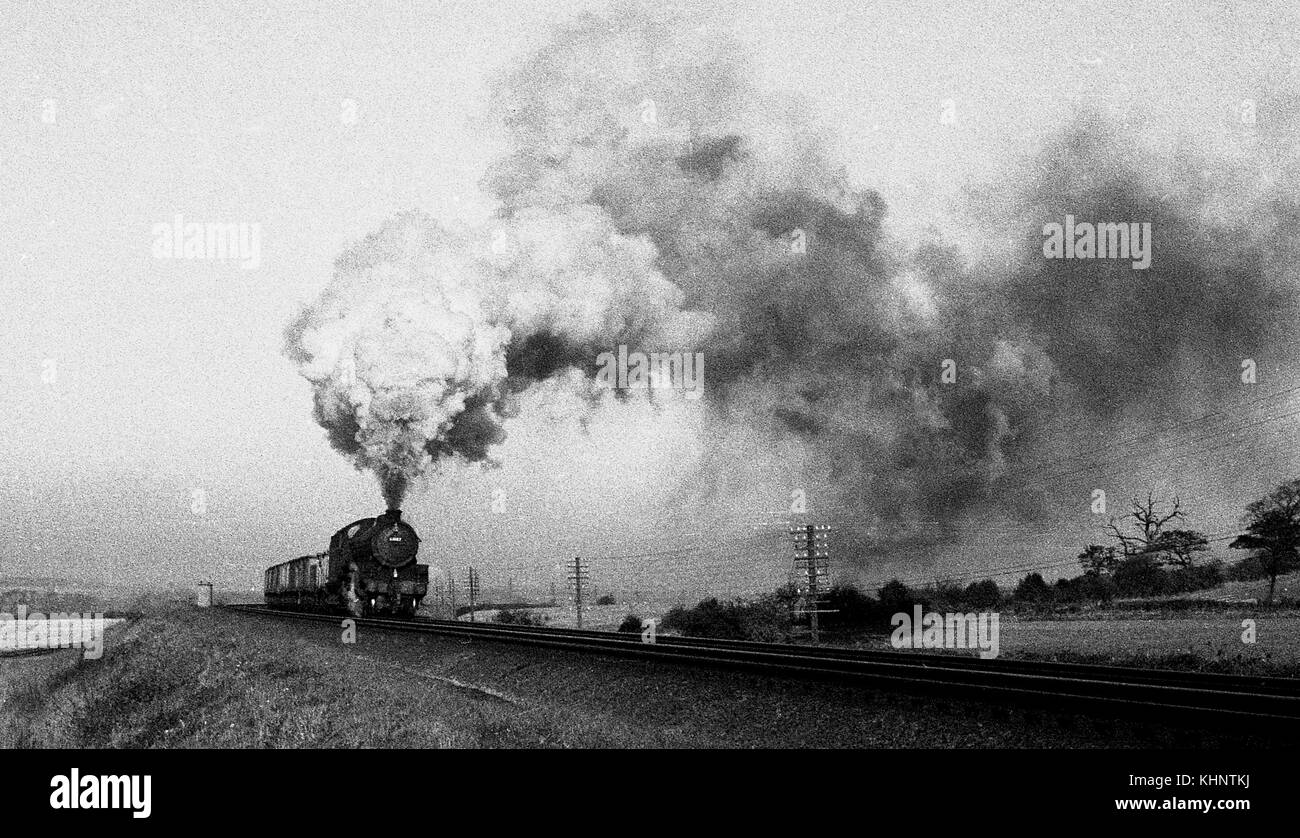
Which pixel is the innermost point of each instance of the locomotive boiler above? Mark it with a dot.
(368, 570)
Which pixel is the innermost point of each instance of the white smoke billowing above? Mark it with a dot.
(424, 332)
(400, 348)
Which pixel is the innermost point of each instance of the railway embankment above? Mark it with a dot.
(214, 678)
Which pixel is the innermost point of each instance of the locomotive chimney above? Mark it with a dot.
(395, 514)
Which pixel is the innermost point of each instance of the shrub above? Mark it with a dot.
(1085, 588)
(851, 608)
(517, 618)
(1032, 589)
(768, 618)
(1197, 578)
(605, 599)
(1139, 576)
(631, 623)
(895, 596)
(947, 592)
(1247, 570)
(983, 594)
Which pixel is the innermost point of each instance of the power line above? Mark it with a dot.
(1033, 466)
(1022, 568)
(1199, 436)
(1121, 456)
(1167, 458)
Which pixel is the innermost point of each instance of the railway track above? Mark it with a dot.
(1180, 698)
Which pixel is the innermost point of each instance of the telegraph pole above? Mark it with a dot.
(473, 592)
(577, 575)
(451, 592)
(812, 553)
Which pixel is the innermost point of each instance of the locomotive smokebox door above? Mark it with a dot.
(394, 543)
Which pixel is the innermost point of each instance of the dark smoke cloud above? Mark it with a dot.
(1126, 340)
(830, 345)
(840, 347)
(654, 198)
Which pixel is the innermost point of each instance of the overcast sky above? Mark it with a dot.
(128, 382)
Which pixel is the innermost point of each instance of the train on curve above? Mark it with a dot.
(368, 570)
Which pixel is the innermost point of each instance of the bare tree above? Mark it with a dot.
(1148, 524)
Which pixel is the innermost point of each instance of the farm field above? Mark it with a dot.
(1210, 638)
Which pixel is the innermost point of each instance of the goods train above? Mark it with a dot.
(369, 569)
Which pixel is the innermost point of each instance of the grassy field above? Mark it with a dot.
(1195, 643)
(1208, 638)
(201, 679)
(1288, 588)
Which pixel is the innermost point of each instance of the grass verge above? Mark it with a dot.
(202, 679)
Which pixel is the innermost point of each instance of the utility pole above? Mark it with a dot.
(577, 575)
(812, 556)
(473, 591)
(451, 592)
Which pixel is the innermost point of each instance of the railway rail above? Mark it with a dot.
(1180, 698)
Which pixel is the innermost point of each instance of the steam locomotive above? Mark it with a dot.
(368, 570)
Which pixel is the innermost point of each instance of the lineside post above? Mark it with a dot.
(577, 575)
(473, 591)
